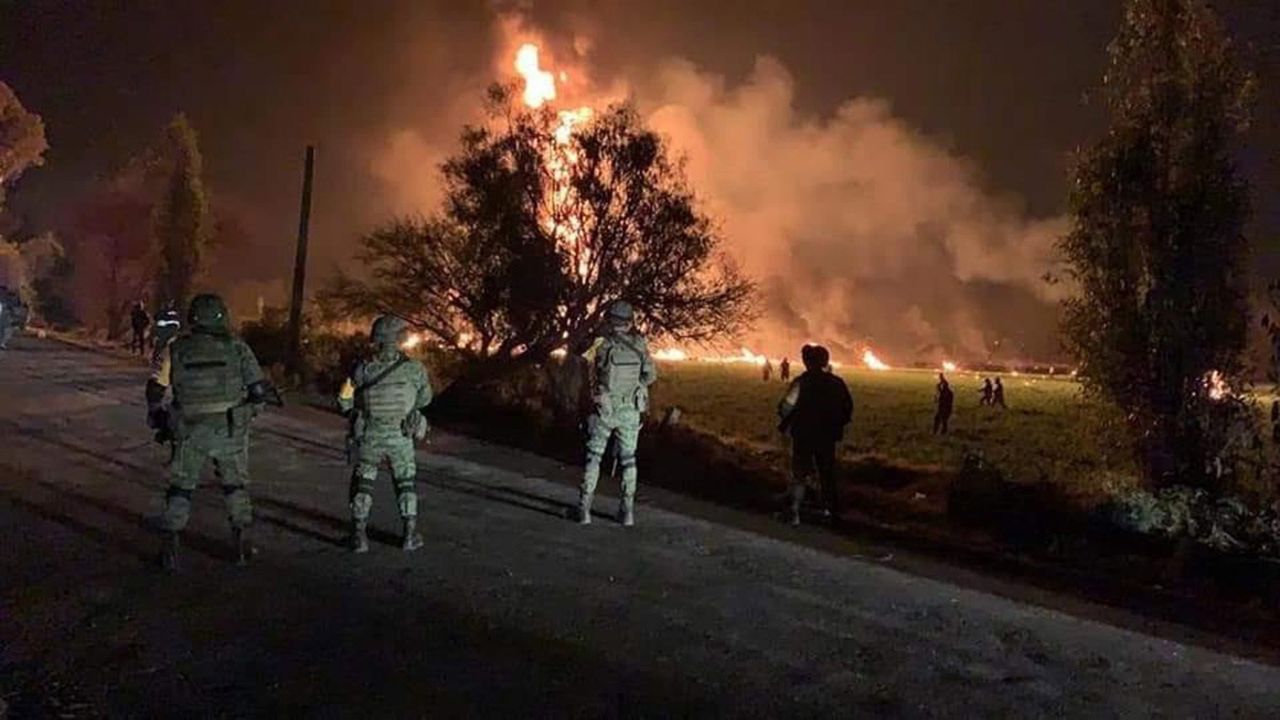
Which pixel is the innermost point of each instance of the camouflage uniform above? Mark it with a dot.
(385, 396)
(217, 388)
(623, 370)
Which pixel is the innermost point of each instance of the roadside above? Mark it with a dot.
(508, 609)
(1029, 552)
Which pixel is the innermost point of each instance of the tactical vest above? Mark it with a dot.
(205, 374)
(619, 367)
(391, 400)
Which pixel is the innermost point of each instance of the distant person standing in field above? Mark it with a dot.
(997, 395)
(767, 370)
(784, 370)
(945, 400)
(815, 411)
(139, 321)
(987, 393)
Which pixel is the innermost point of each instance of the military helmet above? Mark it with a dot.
(207, 312)
(388, 329)
(621, 311)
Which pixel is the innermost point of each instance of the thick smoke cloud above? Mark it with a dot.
(859, 229)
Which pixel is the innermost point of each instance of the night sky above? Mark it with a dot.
(1000, 83)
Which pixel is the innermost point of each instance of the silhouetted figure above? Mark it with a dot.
(997, 396)
(987, 393)
(766, 370)
(784, 370)
(946, 400)
(815, 411)
(139, 321)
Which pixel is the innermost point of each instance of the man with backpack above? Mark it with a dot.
(814, 412)
(384, 398)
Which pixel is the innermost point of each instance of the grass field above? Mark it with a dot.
(1049, 431)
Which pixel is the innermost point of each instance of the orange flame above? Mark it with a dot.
(539, 85)
(1217, 386)
(539, 89)
(948, 366)
(871, 361)
(411, 341)
(671, 355)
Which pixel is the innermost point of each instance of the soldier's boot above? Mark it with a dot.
(360, 537)
(244, 549)
(584, 508)
(168, 559)
(411, 539)
(627, 511)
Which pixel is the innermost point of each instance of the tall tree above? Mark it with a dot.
(22, 141)
(181, 223)
(1156, 246)
(111, 253)
(549, 218)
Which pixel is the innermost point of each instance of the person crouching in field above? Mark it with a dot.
(815, 411)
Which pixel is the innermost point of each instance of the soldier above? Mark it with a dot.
(384, 398)
(784, 370)
(217, 388)
(623, 370)
(987, 393)
(945, 399)
(139, 320)
(815, 411)
(997, 395)
(766, 370)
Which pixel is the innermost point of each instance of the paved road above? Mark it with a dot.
(509, 609)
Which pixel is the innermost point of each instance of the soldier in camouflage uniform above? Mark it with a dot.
(217, 388)
(384, 398)
(623, 370)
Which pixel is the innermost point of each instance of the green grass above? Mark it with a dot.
(1049, 431)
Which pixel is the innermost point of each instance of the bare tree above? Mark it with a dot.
(547, 222)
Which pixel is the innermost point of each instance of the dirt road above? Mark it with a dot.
(509, 609)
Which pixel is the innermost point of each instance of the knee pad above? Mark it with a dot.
(404, 485)
(361, 504)
(408, 504)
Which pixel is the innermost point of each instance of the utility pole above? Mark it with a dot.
(294, 364)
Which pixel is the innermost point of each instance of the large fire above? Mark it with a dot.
(872, 362)
(566, 228)
(539, 85)
(948, 366)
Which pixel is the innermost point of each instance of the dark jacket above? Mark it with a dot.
(817, 406)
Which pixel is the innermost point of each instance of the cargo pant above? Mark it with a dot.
(624, 422)
(376, 446)
(207, 441)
